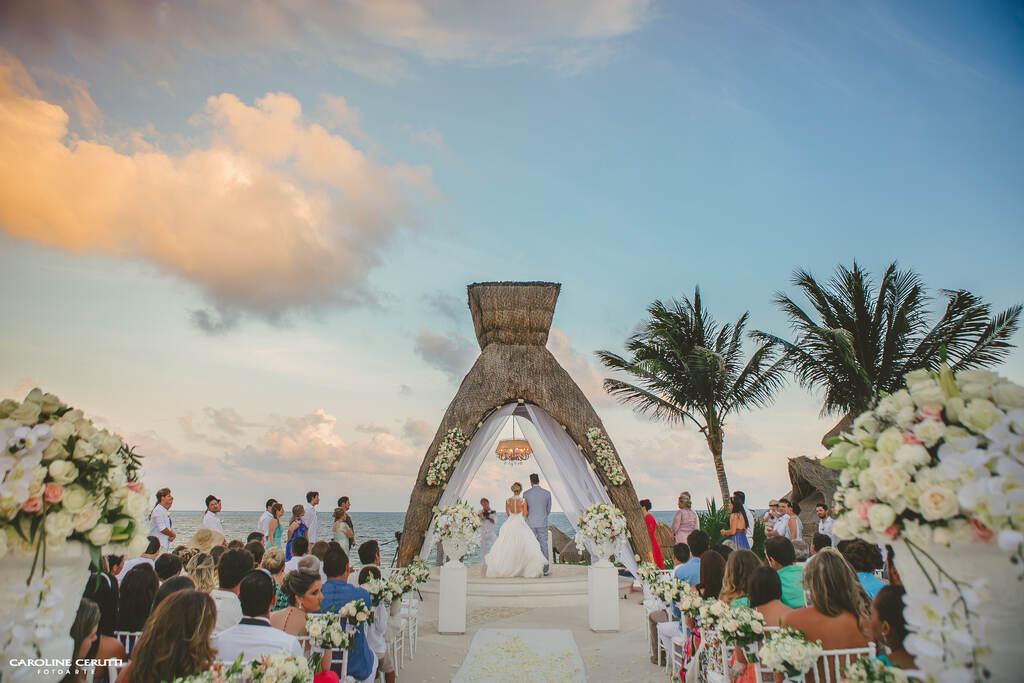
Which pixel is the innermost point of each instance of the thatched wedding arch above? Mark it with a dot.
(512, 321)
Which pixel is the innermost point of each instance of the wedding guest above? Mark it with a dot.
(741, 498)
(296, 529)
(789, 525)
(345, 504)
(318, 550)
(764, 590)
(102, 589)
(309, 516)
(84, 635)
(772, 515)
(376, 633)
(185, 553)
(820, 542)
(686, 568)
(172, 586)
(369, 553)
(313, 564)
(738, 569)
(256, 549)
(825, 521)
(263, 523)
(303, 589)
(148, 557)
(781, 557)
(254, 536)
(865, 558)
(685, 521)
(115, 563)
(253, 636)
(103, 647)
(273, 562)
(724, 549)
(210, 519)
(712, 571)
(800, 550)
(889, 627)
(274, 538)
(176, 642)
(299, 548)
(890, 568)
(159, 520)
(167, 566)
(337, 592)
(216, 552)
(205, 540)
(234, 565)
(201, 570)
(341, 531)
(487, 535)
(698, 544)
(235, 544)
(652, 524)
(136, 598)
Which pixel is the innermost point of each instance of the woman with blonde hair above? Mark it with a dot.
(201, 570)
(296, 528)
(176, 640)
(738, 568)
(341, 531)
(273, 562)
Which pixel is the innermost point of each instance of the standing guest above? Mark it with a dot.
(159, 520)
(825, 521)
(487, 535)
(788, 524)
(889, 627)
(344, 503)
(376, 633)
(737, 531)
(210, 519)
(337, 592)
(865, 558)
(309, 516)
(341, 532)
(201, 569)
(253, 636)
(738, 569)
(274, 539)
(84, 635)
(764, 591)
(172, 586)
(148, 557)
(685, 521)
(781, 558)
(167, 566)
(256, 549)
(296, 529)
(772, 515)
(300, 548)
(263, 523)
(652, 524)
(136, 598)
(176, 642)
(820, 542)
(742, 498)
(273, 562)
(234, 565)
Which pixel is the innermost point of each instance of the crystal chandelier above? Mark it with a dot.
(513, 451)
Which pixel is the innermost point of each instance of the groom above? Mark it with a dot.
(538, 501)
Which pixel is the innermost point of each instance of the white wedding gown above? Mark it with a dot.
(516, 552)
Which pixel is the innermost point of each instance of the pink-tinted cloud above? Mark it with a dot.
(579, 367)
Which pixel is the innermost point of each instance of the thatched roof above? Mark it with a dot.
(813, 483)
(512, 322)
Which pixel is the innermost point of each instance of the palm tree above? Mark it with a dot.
(687, 367)
(861, 341)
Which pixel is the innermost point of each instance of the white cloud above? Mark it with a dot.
(579, 368)
(417, 432)
(451, 354)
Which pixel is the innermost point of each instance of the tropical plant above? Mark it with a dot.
(759, 537)
(859, 341)
(714, 521)
(686, 366)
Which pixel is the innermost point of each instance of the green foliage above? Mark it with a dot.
(759, 537)
(714, 521)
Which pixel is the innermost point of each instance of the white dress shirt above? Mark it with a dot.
(780, 525)
(229, 610)
(263, 526)
(128, 564)
(376, 633)
(212, 522)
(309, 519)
(158, 521)
(253, 641)
(825, 527)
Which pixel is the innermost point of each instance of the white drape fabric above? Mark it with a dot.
(566, 472)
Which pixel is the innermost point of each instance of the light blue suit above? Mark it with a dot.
(538, 501)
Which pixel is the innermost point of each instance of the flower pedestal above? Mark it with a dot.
(1002, 605)
(46, 626)
(451, 617)
(603, 596)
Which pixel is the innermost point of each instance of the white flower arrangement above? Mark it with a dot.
(787, 652)
(457, 524)
(38, 606)
(741, 626)
(605, 456)
(356, 612)
(413, 574)
(326, 632)
(867, 670)
(647, 573)
(62, 479)
(603, 525)
(711, 612)
(265, 669)
(448, 452)
(670, 589)
(689, 604)
(382, 590)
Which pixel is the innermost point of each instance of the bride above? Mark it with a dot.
(516, 552)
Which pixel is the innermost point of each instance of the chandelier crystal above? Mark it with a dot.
(514, 451)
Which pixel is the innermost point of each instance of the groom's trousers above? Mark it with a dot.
(541, 532)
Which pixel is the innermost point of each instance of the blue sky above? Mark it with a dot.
(625, 148)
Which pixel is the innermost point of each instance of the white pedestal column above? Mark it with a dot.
(603, 595)
(451, 618)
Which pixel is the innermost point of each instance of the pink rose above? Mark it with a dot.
(891, 532)
(909, 438)
(33, 505)
(980, 531)
(931, 412)
(862, 510)
(53, 493)
(135, 486)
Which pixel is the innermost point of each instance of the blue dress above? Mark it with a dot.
(739, 539)
(301, 531)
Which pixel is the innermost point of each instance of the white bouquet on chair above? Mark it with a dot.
(670, 589)
(868, 670)
(457, 526)
(787, 652)
(604, 526)
(742, 627)
(689, 604)
(383, 590)
(326, 632)
(647, 573)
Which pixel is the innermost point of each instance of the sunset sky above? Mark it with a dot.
(242, 240)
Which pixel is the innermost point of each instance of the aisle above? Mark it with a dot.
(498, 655)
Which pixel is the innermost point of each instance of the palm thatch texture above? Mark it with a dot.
(686, 366)
(858, 341)
(512, 321)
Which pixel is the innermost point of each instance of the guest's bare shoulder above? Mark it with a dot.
(800, 618)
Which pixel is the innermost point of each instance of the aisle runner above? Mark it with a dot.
(534, 654)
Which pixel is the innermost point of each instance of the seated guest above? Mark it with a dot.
(216, 552)
(167, 566)
(84, 635)
(253, 636)
(738, 568)
(800, 550)
(687, 568)
(318, 550)
(889, 628)
(698, 544)
(369, 556)
(299, 547)
(171, 586)
(890, 567)
(273, 562)
(724, 550)
(819, 542)
(202, 572)
(764, 590)
(115, 563)
(376, 633)
(234, 565)
(311, 563)
(865, 558)
(176, 642)
(256, 549)
(337, 592)
(205, 540)
(712, 572)
(148, 557)
(836, 613)
(303, 590)
(254, 536)
(781, 556)
(136, 597)
(102, 589)
(235, 544)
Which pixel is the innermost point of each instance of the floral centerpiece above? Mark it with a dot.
(326, 632)
(711, 612)
(605, 456)
(670, 589)
(939, 464)
(742, 627)
(265, 669)
(418, 570)
(448, 452)
(457, 526)
(689, 604)
(787, 652)
(604, 526)
(868, 670)
(383, 590)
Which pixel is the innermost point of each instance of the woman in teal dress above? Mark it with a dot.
(275, 526)
(341, 531)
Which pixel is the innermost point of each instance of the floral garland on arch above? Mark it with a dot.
(448, 452)
(939, 461)
(605, 456)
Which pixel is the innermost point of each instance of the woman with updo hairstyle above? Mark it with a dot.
(201, 570)
(889, 627)
(273, 562)
(302, 589)
(517, 488)
(176, 640)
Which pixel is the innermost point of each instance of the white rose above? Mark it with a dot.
(83, 450)
(756, 627)
(27, 413)
(929, 432)
(58, 525)
(62, 431)
(912, 456)
(136, 506)
(110, 443)
(889, 441)
(980, 414)
(916, 377)
(55, 451)
(881, 517)
(137, 546)
(100, 534)
(75, 498)
(888, 480)
(117, 477)
(938, 502)
(905, 417)
(866, 422)
(8, 406)
(86, 429)
(942, 535)
(86, 518)
(63, 471)
(1008, 396)
(985, 378)
(902, 399)
(917, 533)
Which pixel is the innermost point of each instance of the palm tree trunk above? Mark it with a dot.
(714, 439)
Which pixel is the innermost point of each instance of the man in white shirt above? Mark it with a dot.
(825, 522)
(210, 519)
(233, 566)
(152, 550)
(300, 547)
(263, 525)
(160, 521)
(253, 636)
(309, 519)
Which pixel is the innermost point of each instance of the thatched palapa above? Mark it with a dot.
(512, 321)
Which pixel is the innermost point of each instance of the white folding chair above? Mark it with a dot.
(715, 659)
(114, 670)
(128, 639)
(396, 643)
(662, 652)
(411, 613)
(832, 662)
(677, 653)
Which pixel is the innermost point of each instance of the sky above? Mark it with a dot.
(242, 239)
